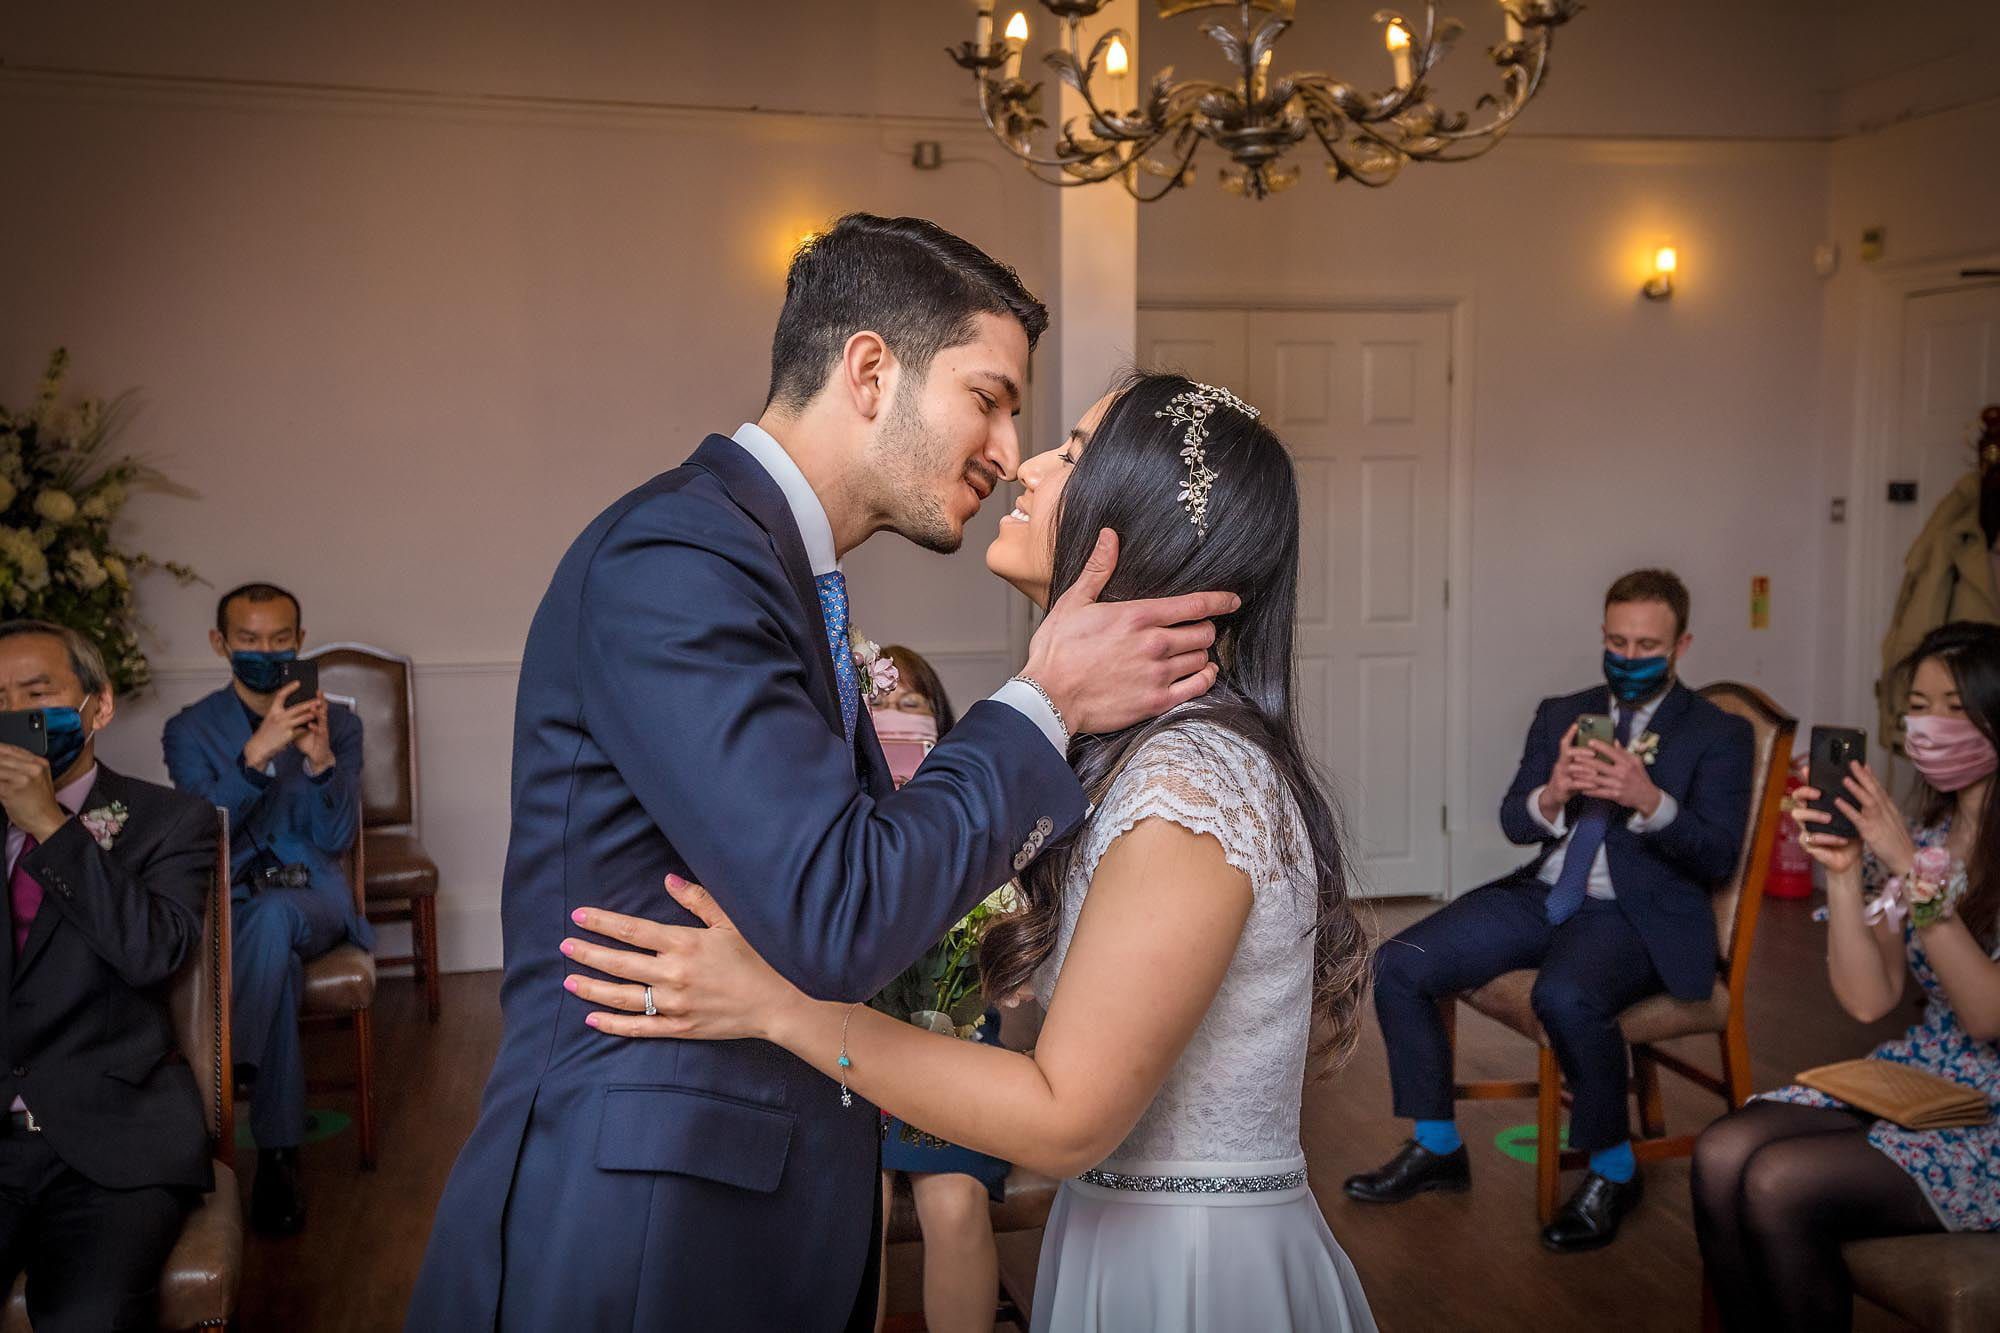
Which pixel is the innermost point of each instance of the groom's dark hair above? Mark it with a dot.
(908, 279)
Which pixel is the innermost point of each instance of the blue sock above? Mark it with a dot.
(1616, 1165)
(1438, 1136)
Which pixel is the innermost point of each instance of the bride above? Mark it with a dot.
(1193, 941)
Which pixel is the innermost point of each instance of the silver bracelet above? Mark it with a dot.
(1036, 686)
(846, 1097)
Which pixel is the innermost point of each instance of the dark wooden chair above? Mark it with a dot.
(1660, 1018)
(205, 1268)
(340, 992)
(402, 878)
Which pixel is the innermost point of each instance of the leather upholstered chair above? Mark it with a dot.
(205, 1267)
(402, 878)
(1660, 1018)
(340, 990)
(1946, 1284)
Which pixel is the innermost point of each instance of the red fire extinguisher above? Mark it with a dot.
(1791, 869)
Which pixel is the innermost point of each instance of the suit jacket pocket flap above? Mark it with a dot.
(694, 1133)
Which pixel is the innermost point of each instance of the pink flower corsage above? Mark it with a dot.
(875, 667)
(104, 823)
(1927, 895)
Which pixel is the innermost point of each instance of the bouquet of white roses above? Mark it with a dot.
(940, 991)
(60, 493)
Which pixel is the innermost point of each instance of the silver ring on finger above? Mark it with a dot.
(651, 1008)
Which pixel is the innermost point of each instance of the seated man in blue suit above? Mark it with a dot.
(288, 770)
(1633, 837)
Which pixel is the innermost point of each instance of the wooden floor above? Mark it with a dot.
(1439, 1263)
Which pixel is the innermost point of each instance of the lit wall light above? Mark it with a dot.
(1661, 285)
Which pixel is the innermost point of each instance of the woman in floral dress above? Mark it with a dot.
(1780, 1184)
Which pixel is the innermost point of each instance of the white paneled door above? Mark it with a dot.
(1363, 400)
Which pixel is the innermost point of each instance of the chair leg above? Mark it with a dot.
(364, 1082)
(1646, 1080)
(426, 948)
(1548, 1135)
(1736, 1059)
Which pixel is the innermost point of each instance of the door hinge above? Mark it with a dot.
(1444, 819)
(1447, 594)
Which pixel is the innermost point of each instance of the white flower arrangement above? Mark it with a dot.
(876, 670)
(1646, 748)
(61, 493)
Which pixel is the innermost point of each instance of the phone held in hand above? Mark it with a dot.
(1594, 727)
(25, 730)
(307, 675)
(904, 758)
(1834, 752)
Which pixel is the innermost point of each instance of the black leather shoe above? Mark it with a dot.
(1589, 1221)
(1412, 1171)
(277, 1199)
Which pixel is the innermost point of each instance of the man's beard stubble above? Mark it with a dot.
(909, 457)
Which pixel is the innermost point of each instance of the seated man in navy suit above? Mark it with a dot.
(102, 1147)
(288, 770)
(1633, 837)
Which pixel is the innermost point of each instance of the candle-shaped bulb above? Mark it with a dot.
(1665, 260)
(1017, 41)
(1397, 39)
(1117, 61)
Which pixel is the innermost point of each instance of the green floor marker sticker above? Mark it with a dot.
(1518, 1142)
(320, 1126)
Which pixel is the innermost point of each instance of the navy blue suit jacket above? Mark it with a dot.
(298, 820)
(678, 713)
(1663, 879)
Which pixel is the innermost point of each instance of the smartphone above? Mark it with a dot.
(1595, 727)
(904, 758)
(1834, 750)
(307, 675)
(25, 731)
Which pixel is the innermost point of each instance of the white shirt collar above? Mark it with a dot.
(807, 511)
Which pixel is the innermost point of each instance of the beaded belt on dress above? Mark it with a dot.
(1116, 1180)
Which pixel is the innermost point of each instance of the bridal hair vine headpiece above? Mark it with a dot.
(1192, 408)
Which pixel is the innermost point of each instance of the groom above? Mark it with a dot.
(689, 704)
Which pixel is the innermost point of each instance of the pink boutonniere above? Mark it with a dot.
(876, 668)
(105, 823)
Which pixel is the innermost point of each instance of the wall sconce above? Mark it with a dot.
(1661, 285)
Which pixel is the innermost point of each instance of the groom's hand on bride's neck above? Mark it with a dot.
(1107, 665)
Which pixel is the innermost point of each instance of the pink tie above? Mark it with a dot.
(24, 895)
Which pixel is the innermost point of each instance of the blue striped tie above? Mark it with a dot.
(1572, 885)
(833, 607)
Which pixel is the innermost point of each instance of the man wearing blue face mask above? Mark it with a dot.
(102, 1145)
(288, 770)
(1632, 836)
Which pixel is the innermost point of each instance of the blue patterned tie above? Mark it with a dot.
(1571, 886)
(833, 607)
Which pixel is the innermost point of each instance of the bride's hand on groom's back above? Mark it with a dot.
(707, 983)
(1107, 665)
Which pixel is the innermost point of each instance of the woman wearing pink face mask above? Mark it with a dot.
(1780, 1184)
(950, 1185)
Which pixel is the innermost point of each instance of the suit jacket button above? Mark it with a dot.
(1044, 827)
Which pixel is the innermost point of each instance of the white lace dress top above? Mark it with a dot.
(1232, 1101)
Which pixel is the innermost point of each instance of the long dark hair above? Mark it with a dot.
(1971, 653)
(1129, 479)
(921, 677)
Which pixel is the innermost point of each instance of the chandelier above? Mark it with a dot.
(1256, 118)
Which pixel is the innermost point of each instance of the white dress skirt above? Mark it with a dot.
(1159, 1261)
